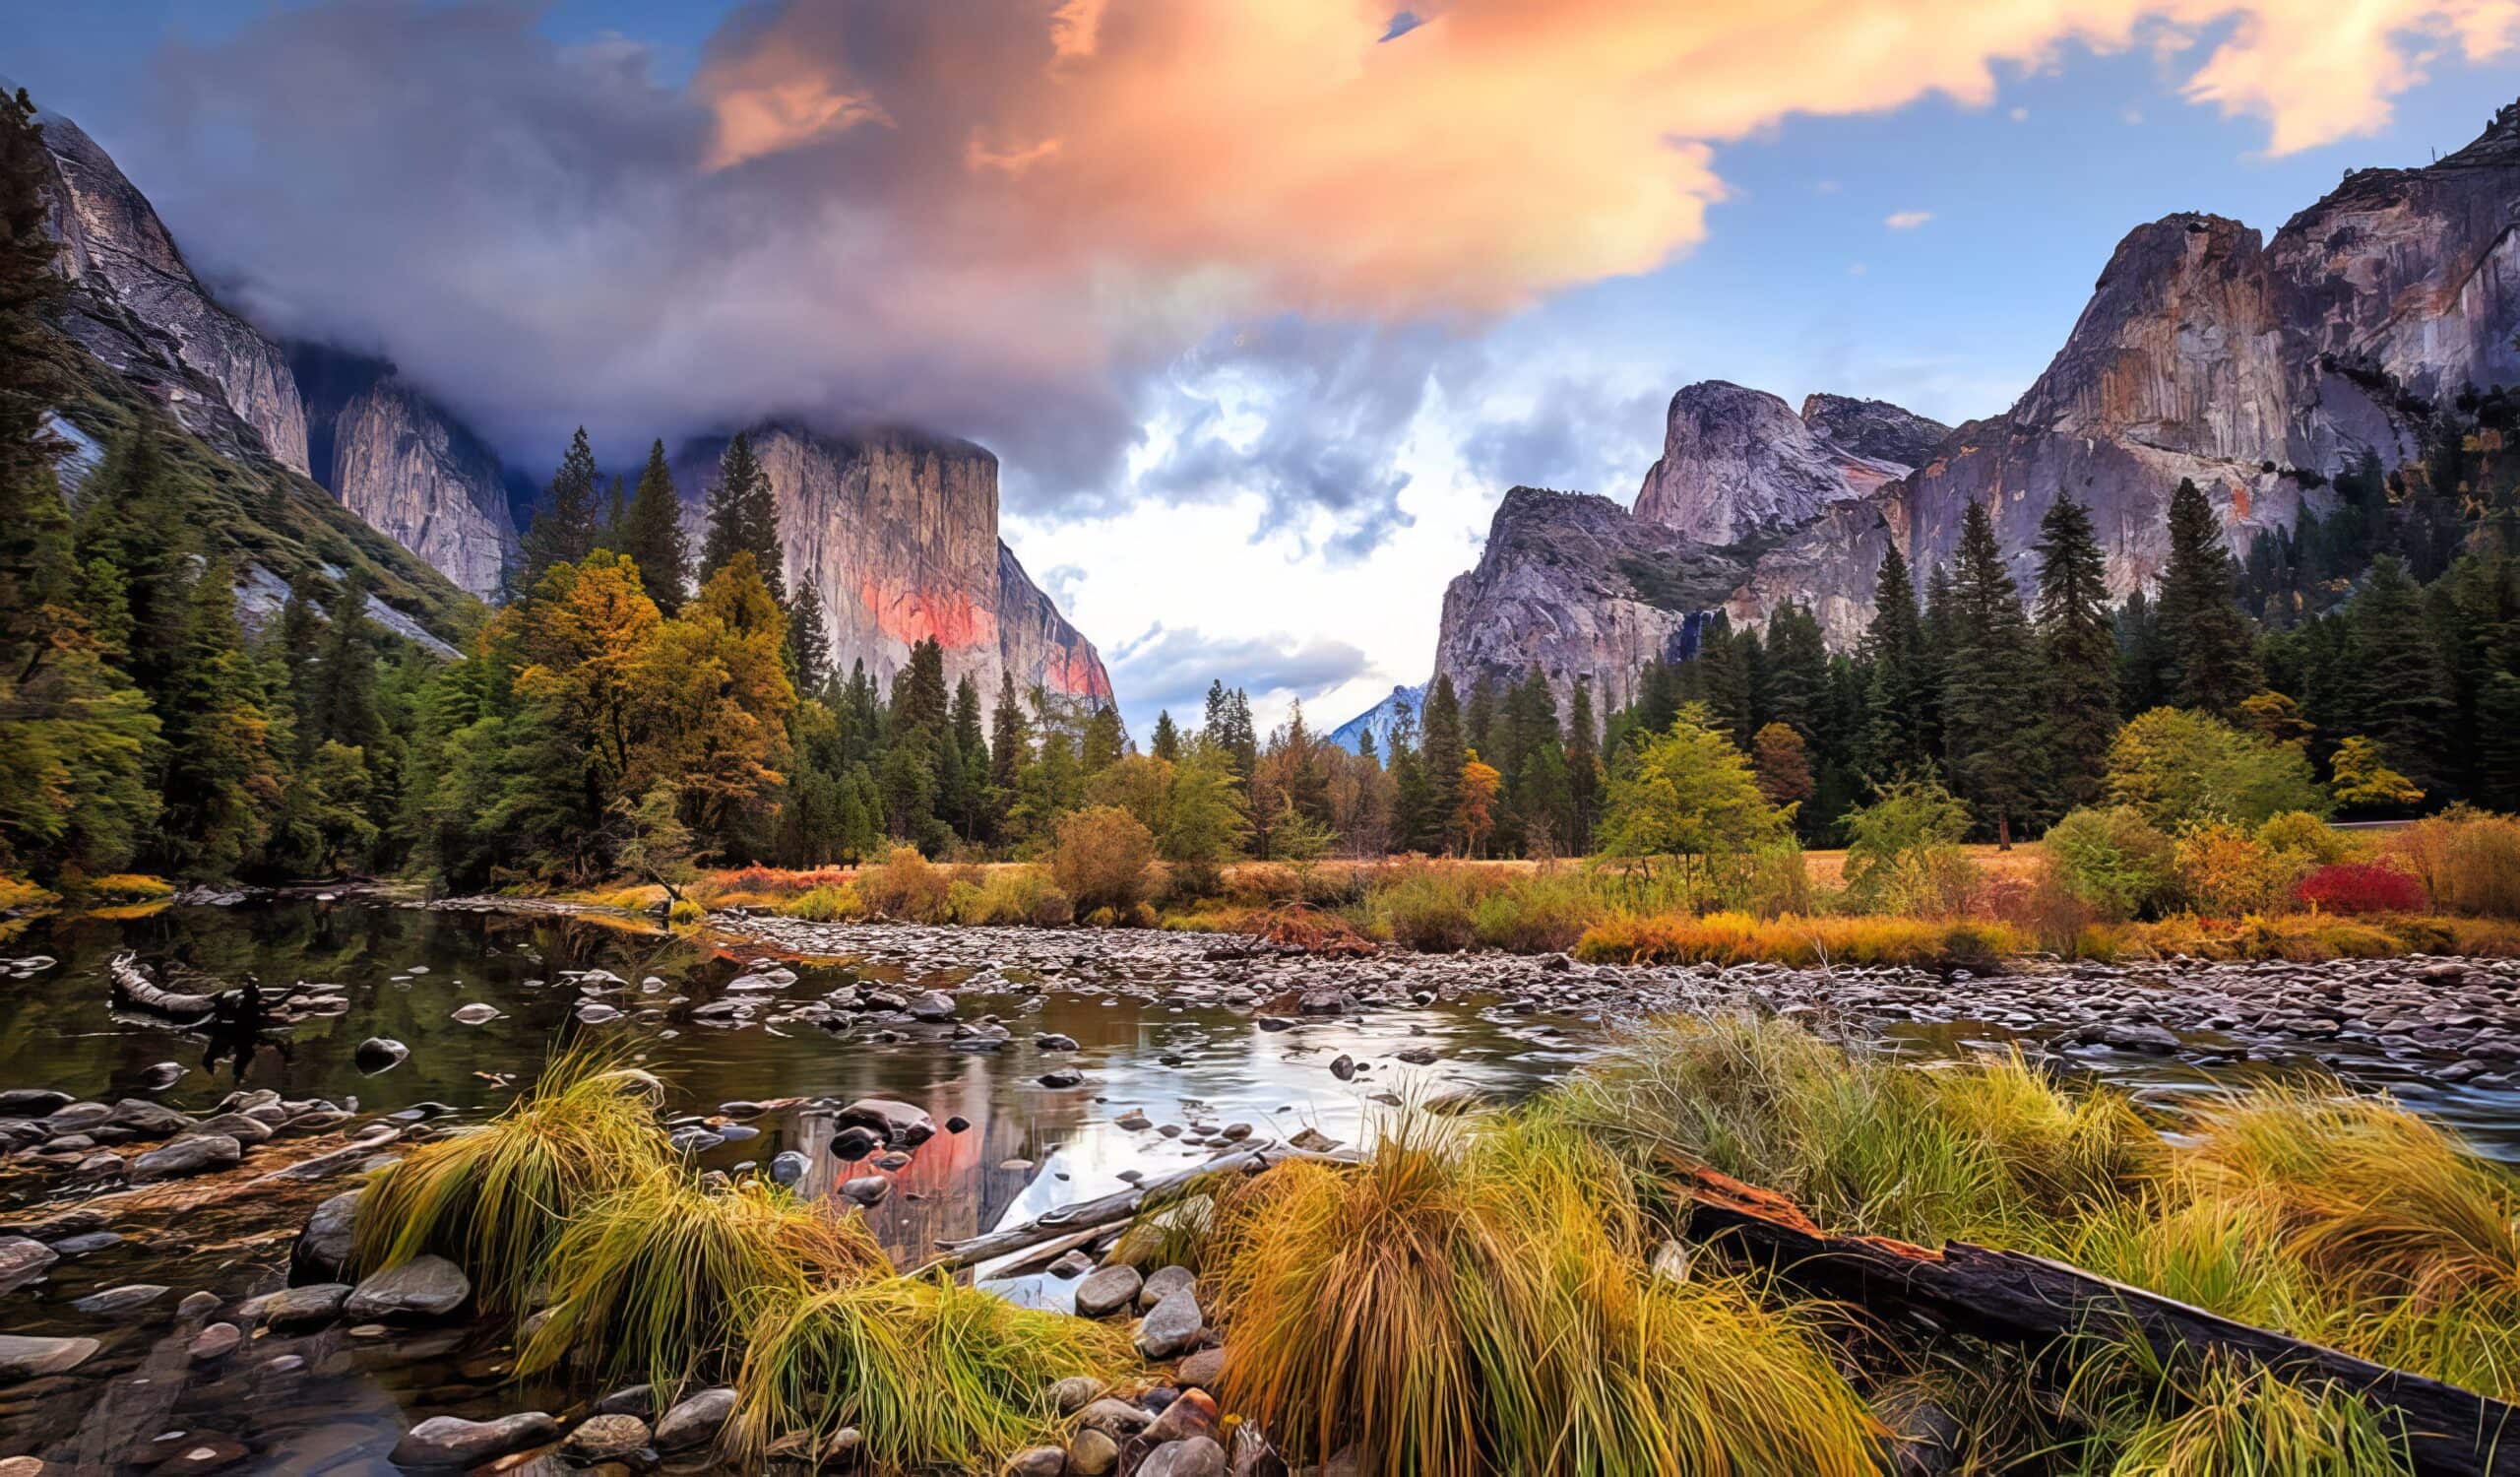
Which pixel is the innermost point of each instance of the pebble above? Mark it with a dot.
(603, 1438)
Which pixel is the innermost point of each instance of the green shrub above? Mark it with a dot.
(1537, 913)
(1903, 851)
(2184, 768)
(2112, 859)
(1429, 906)
(2305, 835)
(2227, 872)
(1102, 860)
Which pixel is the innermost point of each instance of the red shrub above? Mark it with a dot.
(2361, 887)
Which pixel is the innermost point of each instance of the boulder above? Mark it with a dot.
(23, 1358)
(308, 1307)
(1107, 1290)
(1163, 1282)
(1198, 1456)
(1173, 1328)
(899, 1122)
(425, 1287)
(695, 1420)
(443, 1442)
(1092, 1454)
(323, 1248)
(606, 1438)
(22, 1261)
(186, 1157)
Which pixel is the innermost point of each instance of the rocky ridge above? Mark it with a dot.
(2257, 367)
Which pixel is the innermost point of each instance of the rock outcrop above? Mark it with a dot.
(2256, 367)
(137, 307)
(898, 532)
(1738, 464)
(406, 465)
(1585, 590)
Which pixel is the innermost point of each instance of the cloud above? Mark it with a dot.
(1012, 220)
(1172, 667)
(1906, 220)
(1576, 434)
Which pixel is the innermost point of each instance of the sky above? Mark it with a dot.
(1262, 307)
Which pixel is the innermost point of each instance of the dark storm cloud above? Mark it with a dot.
(1169, 667)
(1578, 436)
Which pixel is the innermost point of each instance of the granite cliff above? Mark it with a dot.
(2257, 367)
(406, 465)
(898, 532)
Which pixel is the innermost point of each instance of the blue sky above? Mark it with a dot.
(1233, 472)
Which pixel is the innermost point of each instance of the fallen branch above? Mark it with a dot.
(133, 986)
(2010, 1297)
(1105, 1211)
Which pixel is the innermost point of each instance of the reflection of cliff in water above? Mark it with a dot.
(953, 1187)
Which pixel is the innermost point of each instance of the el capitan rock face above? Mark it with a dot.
(898, 532)
(1582, 588)
(136, 305)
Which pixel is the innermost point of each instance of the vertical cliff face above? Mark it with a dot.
(138, 307)
(898, 532)
(1738, 464)
(1581, 588)
(418, 475)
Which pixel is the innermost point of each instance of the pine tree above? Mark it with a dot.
(1583, 777)
(343, 704)
(2212, 650)
(2406, 700)
(563, 531)
(808, 641)
(1990, 682)
(35, 523)
(1101, 747)
(1168, 739)
(220, 781)
(2144, 679)
(743, 514)
(1442, 752)
(652, 535)
(1895, 694)
(1010, 741)
(2078, 644)
(1479, 714)
(1797, 670)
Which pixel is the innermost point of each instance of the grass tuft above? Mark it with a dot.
(647, 1282)
(932, 1375)
(493, 1199)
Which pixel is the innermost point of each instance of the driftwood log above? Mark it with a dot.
(134, 987)
(2012, 1298)
(1108, 1210)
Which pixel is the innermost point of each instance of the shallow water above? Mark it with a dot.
(405, 971)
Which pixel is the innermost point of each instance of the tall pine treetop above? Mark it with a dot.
(743, 514)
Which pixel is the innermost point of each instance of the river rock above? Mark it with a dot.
(695, 1421)
(82, 1245)
(1191, 1415)
(868, 1191)
(1107, 1290)
(930, 1005)
(323, 1250)
(1075, 1393)
(243, 1127)
(789, 1166)
(214, 1341)
(1039, 1461)
(142, 1119)
(24, 1359)
(31, 1102)
(1202, 1371)
(424, 1287)
(1113, 1418)
(1163, 1282)
(162, 1076)
(77, 1118)
(1196, 1458)
(606, 1438)
(306, 1307)
(1092, 1454)
(899, 1122)
(631, 1399)
(114, 1301)
(185, 1157)
(1063, 1077)
(23, 1259)
(1172, 1327)
(453, 1441)
(379, 1053)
